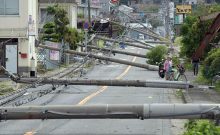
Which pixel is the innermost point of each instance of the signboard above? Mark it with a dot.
(95, 2)
(183, 9)
(178, 19)
(54, 55)
(31, 26)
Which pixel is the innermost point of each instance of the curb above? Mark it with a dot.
(185, 97)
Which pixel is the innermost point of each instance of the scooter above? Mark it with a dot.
(161, 70)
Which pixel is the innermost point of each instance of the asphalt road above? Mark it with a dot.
(81, 95)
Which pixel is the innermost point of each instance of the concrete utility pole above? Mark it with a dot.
(167, 18)
(132, 44)
(145, 66)
(110, 111)
(148, 29)
(127, 43)
(116, 51)
(128, 83)
(89, 15)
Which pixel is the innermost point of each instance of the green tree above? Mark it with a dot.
(193, 30)
(155, 55)
(212, 64)
(58, 30)
(155, 22)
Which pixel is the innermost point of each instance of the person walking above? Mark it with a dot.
(195, 62)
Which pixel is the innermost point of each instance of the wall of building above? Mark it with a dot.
(27, 45)
(19, 27)
(71, 9)
(15, 25)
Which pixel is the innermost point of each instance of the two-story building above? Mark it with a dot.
(18, 30)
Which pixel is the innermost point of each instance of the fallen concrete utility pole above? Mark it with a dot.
(136, 40)
(128, 83)
(127, 43)
(116, 51)
(131, 44)
(145, 66)
(157, 42)
(108, 111)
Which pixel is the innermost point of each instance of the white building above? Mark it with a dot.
(69, 5)
(18, 30)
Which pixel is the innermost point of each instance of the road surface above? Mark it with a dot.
(81, 95)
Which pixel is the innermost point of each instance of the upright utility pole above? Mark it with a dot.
(89, 14)
(167, 17)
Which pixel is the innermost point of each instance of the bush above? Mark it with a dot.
(201, 127)
(212, 64)
(175, 60)
(155, 55)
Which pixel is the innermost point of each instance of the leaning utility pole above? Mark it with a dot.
(128, 83)
(139, 31)
(136, 40)
(148, 29)
(145, 66)
(112, 111)
(132, 44)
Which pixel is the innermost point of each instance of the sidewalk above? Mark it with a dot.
(200, 94)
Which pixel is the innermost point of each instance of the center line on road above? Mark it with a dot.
(103, 88)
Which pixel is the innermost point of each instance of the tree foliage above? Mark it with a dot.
(193, 30)
(212, 64)
(58, 29)
(155, 55)
(155, 22)
(201, 127)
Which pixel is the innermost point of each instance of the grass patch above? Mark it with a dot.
(217, 86)
(201, 127)
(200, 79)
(179, 93)
(5, 88)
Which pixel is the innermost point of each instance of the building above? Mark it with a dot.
(69, 5)
(137, 35)
(82, 10)
(18, 30)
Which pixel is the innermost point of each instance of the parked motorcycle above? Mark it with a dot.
(161, 70)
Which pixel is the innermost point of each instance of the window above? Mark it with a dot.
(45, 17)
(9, 7)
